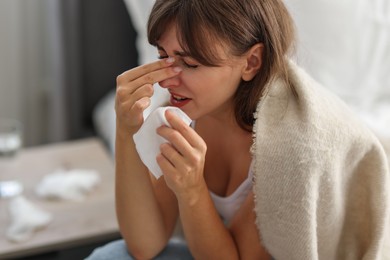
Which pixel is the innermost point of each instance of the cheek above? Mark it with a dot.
(192, 79)
(200, 77)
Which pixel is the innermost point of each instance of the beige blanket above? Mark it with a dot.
(321, 177)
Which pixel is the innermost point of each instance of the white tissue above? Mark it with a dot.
(10, 188)
(147, 141)
(26, 218)
(67, 184)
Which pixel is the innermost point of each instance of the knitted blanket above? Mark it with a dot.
(321, 178)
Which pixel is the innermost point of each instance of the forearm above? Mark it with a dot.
(139, 216)
(142, 218)
(207, 236)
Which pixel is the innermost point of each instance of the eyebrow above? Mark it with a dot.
(178, 53)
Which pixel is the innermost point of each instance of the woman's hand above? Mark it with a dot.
(134, 90)
(182, 159)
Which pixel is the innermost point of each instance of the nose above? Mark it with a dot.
(173, 82)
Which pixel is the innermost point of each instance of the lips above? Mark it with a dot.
(179, 100)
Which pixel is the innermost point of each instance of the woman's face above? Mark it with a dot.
(199, 90)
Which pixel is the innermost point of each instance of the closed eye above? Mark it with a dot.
(185, 64)
(189, 65)
(160, 57)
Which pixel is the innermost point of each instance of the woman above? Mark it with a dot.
(273, 166)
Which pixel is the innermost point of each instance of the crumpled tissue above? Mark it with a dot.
(67, 184)
(26, 218)
(147, 141)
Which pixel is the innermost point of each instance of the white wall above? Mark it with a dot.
(345, 45)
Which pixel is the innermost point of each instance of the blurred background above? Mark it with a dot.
(59, 59)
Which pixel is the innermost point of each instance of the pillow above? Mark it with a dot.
(345, 45)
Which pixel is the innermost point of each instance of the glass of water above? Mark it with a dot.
(10, 137)
(10, 144)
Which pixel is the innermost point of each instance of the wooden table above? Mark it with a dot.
(74, 223)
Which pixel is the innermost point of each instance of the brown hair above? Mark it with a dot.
(239, 24)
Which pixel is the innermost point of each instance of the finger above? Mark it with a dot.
(148, 79)
(185, 130)
(157, 76)
(177, 140)
(133, 111)
(140, 105)
(124, 94)
(139, 71)
(146, 91)
(165, 165)
(171, 154)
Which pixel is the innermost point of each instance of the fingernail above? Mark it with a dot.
(177, 69)
(170, 60)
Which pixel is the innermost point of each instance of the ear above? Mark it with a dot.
(253, 58)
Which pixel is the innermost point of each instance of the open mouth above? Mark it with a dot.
(179, 101)
(178, 98)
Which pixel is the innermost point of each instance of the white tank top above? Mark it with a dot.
(228, 206)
